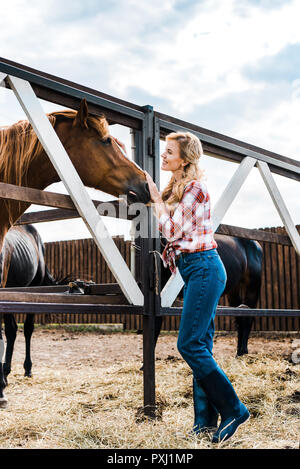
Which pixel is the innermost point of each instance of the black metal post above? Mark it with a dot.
(146, 157)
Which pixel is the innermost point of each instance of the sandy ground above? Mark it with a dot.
(68, 349)
(87, 391)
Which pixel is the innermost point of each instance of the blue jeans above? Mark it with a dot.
(205, 278)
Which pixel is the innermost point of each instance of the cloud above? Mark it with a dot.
(284, 66)
(265, 4)
(251, 116)
(70, 11)
(227, 66)
(188, 52)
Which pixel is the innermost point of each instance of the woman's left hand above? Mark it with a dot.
(154, 192)
(121, 144)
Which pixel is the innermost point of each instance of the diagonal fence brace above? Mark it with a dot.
(69, 176)
(175, 283)
(279, 204)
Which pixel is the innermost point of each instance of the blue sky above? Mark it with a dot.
(228, 65)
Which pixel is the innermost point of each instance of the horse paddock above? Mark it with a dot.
(87, 392)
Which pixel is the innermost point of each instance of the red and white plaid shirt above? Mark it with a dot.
(189, 229)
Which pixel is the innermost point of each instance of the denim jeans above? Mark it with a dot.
(204, 278)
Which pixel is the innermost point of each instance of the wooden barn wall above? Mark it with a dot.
(81, 259)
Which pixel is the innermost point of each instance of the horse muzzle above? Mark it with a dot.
(138, 194)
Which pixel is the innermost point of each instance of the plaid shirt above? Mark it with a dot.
(189, 229)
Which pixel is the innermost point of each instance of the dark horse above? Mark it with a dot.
(242, 259)
(23, 255)
(96, 155)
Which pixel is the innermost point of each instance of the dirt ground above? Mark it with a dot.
(67, 349)
(87, 391)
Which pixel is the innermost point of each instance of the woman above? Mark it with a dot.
(183, 210)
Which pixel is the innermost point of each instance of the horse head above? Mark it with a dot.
(97, 157)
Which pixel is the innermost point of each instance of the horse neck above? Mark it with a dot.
(41, 172)
(40, 175)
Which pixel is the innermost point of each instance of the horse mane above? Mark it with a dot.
(19, 146)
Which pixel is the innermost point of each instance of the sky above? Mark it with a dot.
(231, 66)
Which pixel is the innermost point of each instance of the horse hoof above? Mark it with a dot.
(3, 402)
(28, 374)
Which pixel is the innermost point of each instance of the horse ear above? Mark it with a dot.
(82, 115)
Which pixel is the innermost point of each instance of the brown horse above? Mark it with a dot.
(96, 155)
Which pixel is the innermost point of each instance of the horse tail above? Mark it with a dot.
(6, 255)
(58, 279)
(48, 278)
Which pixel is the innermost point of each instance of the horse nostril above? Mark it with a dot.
(133, 193)
(132, 196)
(139, 193)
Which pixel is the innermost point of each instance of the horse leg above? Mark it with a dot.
(28, 330)
(250, 299)
(246, 325)
(235, 300)
(11, 334)
(243, 327)
(3, 400)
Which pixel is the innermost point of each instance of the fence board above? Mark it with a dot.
(280, 287)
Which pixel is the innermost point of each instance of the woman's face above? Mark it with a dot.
(171, 159)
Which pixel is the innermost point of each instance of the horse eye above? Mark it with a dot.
(107, 141)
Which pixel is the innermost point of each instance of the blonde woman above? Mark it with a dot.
(184, 216)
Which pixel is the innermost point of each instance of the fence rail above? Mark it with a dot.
(82, 259)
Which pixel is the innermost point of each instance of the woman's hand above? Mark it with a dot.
(154, 192)
(159, 206)
(121, 144)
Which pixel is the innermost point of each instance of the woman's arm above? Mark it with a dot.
(186, 217)
(159, 206)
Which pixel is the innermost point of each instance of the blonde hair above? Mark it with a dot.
(190, 151)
